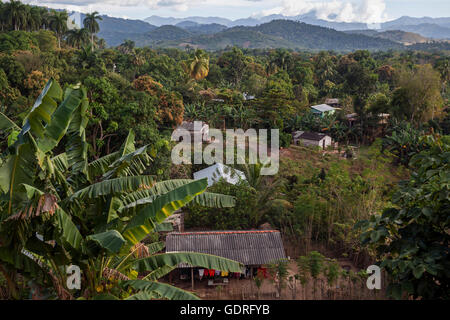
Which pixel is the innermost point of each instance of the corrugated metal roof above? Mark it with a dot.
(322, 107)
(217, 171)
(253, 247)
(312, 136)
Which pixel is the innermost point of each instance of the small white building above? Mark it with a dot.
(217, 171)
(311, 139)
(322, 110)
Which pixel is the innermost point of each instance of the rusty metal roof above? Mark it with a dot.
(252, 247)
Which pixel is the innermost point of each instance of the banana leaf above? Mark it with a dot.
(162, 289)
(159, 209)
(69, 232)
(111, 240)
(206, 199)
(15, 171)
(195, 259)
(113, 186)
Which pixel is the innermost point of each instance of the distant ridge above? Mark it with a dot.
(215, 33)
(275, 34)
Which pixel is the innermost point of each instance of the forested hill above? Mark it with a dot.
(281, 34)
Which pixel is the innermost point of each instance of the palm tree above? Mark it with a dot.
(58, 24)
(127, 47)
(77, 37)
(197, 67)
(15, 13)
(3, 17)
(101, 43)
(281, 58)
(45, 18)
(91, 24)
(25, 21)
(35, 19)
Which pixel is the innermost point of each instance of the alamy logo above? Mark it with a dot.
(236, 140)
(374, 280)
(74, 277)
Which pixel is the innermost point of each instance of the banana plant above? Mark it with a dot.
(61, 209)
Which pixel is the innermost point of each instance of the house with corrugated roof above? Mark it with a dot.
(322, 110)
(217, 171)
(253, 248)
(311, 139)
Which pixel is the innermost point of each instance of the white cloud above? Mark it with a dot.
(369, 11)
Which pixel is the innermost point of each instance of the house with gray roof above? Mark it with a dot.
(252, 248)
(322, 110)
(311, 139)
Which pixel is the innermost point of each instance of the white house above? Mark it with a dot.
(217, 171)
(322, 109)
(311, 139)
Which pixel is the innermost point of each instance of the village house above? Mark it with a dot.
(322, 110)
(202, 128)
(217, 171)
(253, 248)
(311, 139)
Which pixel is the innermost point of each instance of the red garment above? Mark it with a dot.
(212, 272)
(264, 271)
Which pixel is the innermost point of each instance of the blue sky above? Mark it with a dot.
(370, 11)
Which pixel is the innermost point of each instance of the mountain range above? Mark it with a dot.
(437, 28)
(299, 32)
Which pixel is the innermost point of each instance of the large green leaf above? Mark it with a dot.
(61, 162)
(195, 259)
(164, 227)
(162, 289)
(42, 110)
(128, 145)
(206, 199)
(113, 186)
(15, 171)
(111, 240)
(215, 200)
(155, 247)
(159, 273)
(76, 146)
(6, 123)
(69, 232)
(60, 119)
(160, 208)
(101, 165)
(133, 163)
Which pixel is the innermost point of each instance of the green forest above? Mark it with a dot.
(86, 143)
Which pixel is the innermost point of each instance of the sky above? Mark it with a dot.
(368, 11)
